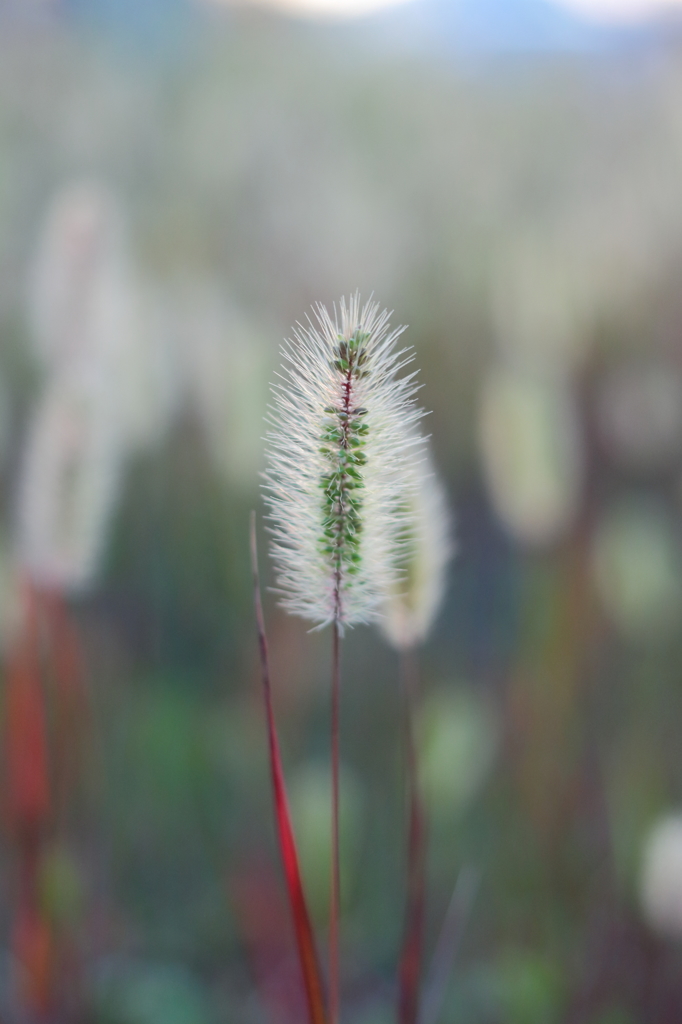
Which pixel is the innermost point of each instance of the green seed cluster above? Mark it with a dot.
(343, 441)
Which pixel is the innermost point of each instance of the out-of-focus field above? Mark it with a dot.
(175, 206)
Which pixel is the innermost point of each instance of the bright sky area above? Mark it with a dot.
(612, 10)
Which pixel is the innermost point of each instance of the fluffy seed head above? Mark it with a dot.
(422, 556)
(69, 481)
(340, 448)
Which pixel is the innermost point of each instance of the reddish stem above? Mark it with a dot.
(336, 872)
(411, 954)
(301, 918)
(28, 801)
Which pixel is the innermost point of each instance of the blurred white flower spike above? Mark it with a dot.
(77, 275)
(425, 551)
(69, 484)
(101, 395)
(87, 307)
(225, 367)
(341, 445)
(661, 878)
(531, 449)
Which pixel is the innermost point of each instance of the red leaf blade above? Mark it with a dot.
(305, 941)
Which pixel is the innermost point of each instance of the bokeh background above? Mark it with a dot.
(178, 183)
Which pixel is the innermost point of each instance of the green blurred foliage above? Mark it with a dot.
(145, 995)
(309, 794)
(458, 737)
(529, 988)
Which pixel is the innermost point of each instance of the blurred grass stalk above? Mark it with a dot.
(47, 723)
(89, 415)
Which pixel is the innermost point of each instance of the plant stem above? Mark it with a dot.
(305, 939)
(411, 955)
(336, 872)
